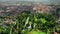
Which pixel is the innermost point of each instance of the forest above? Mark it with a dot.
(29, 23)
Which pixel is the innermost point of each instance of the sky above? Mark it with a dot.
(35, 0)
(29, 0)
(23, 0)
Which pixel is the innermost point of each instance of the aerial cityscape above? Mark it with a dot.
(29, 16)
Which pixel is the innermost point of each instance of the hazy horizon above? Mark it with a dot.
(22, 0)
(43, 1)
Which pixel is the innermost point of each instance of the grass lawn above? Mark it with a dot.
(36, 32)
